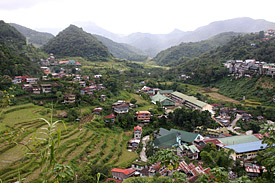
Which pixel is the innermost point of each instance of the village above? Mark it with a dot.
(227, 136)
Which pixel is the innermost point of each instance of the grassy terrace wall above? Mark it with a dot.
(93, 143)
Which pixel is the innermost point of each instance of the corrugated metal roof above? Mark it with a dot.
(247, 147)
(238, 139)
(190, 99)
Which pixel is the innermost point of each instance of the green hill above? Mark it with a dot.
(17, 58)
(190, 50)
(33, 37)
(74, 42)
(122, 50)
(208, 67)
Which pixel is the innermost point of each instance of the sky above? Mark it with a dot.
(129, 16)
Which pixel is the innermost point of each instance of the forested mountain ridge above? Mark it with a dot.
(122, 50)
(190, 50)
(208, 68)
(152, 44)
(17, 58)
(74, 42)
(33, 37)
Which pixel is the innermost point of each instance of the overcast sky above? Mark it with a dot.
(128, 16)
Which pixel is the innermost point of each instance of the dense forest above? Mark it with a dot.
(74, 42)
(15, 55)
(186, 51)
(121, 50)
(33, 37)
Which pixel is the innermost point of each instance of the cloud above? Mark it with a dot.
(19, 4)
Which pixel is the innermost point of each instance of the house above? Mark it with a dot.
(246, 150)
(163, 100)
(154, 168)
(82, 83)
(190, 101)
(102, 98)
(133, 144)
(69, 99)
(252, 169)
(246, 117)
(17, 80)
(35, 89)
(260, 118)
(46, 88)
(201, 143)
(122, 174)
(143, 116)
(110, 118)
(174, 138)
(121, 109)
(88, 90)
(31, 80)
(63, 62)
(137, 132)
(191, 151)
(191, 169)
(97, 76)
(27, 87)
(97, 110)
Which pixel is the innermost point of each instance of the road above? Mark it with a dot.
(145, 140)
(231, 126)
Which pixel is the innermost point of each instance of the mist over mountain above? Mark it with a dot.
(33, 36)
(152, 44)
(122, 50)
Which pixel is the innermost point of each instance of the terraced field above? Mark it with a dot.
(93, 142)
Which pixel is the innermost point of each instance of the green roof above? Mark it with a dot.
(168, 138)
(192, 148)
(238, 139)
(190, 99)
(163, 100)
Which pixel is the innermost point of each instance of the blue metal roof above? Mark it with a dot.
(247, 147)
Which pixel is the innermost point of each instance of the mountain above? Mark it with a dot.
(122, 50)
(208, 68)
(16, 57)
(34, 37)
(190, 50)
(244, 24)
(151, 44)
(73, 42)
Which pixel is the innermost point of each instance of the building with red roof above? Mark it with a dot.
(143, 116)
(122, 174)
(110, 118)
(97, 110)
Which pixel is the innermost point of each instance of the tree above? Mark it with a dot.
(167, 157)
(133, 101)
(267, 156)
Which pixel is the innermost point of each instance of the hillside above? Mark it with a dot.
(208, 67)
(152, 44)
(192, 49)
(17, 58)
(121, 50)
(74, 42)
(33, 37)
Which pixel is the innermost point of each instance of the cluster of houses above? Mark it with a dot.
(241, 68)
(50, 61)
(187, 144)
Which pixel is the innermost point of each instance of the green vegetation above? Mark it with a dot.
(208, 69)
(123, 51)
(186, 51)
(74, 42)
(33, 37)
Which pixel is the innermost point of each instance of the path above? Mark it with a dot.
(145, 140)
(231, 126)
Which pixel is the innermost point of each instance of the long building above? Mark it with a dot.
(190, 101)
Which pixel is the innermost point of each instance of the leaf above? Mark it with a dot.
(58, 136)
